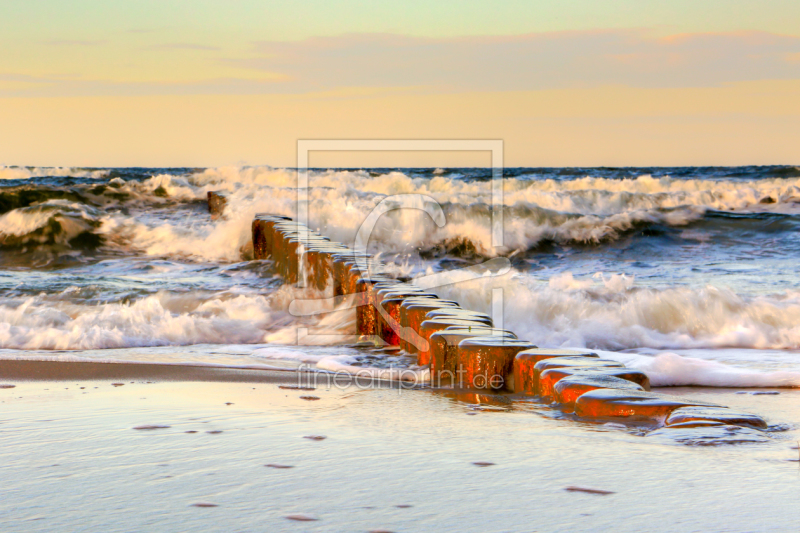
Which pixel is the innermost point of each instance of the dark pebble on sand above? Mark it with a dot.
(205, 504)
(309, 398)
(315, 437)
(153, 426)
(190, 431)
(214, 432)
(404, 506)
(278, 466)
(588, 490)
(228, 403)
(483, 463)
(5, 386)
(117, 384)
(302, 518)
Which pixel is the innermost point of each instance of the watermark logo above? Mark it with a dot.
(400, 378)
(497, 266)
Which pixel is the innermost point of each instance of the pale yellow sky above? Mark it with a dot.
(743, 123)
(568, 82)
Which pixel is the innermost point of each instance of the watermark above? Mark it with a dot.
(401, 378)
(494, 146)
(494, 267)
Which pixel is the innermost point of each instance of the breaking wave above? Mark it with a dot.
(588, 210)
(582, 211)
(52, 222)
(24, 173)
(67, 321)
(612, 313)
(673, 370)
(159, 320)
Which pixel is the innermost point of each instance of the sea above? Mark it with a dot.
(689, 274)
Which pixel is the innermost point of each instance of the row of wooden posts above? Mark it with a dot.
(461, 347)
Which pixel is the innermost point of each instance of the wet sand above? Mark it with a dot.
(214, 445)
(35, 370)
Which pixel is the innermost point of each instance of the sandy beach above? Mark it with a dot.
(391, 460)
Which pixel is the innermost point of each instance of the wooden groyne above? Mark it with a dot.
(216, 203)
(463, 349)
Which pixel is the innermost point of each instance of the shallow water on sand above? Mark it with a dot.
(394, 460)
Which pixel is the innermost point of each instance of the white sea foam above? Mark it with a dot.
(164, 319)
(343, 363)
(73, 218)
(612, 313)
(20, 222)
(587, 210)
(668, 369)
(582, 210)
(235, 316)
(287, 353)
(36, 323)
(22, 173)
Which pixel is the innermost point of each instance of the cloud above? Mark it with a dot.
(66, 86)
(381, 62)
(527, 62)
(23, 78)
(74, 42)
(182, 46)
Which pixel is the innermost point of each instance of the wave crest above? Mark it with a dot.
(53, 222)
(24, 173)
(614, 314)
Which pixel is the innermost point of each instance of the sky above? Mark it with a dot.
(562, 83)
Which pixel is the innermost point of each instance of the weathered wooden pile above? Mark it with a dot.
(463, 349)
(216, 203)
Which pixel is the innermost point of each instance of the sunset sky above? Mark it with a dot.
(563, 83)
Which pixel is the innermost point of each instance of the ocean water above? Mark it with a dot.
(689, 274)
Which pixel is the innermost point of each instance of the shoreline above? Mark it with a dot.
(42, 370)
(34, 370)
